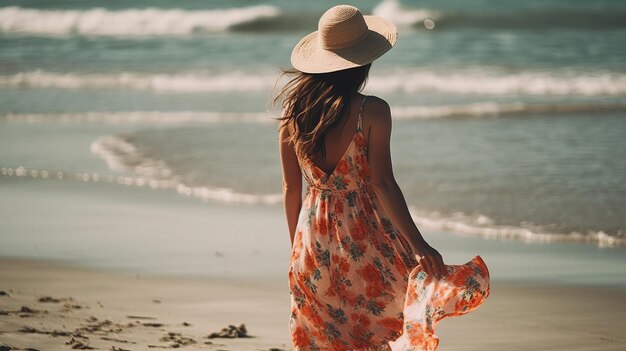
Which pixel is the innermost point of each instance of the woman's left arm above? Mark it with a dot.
(291, 183)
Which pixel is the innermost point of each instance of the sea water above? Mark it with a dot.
(508, 116)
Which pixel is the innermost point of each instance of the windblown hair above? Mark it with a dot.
(313, 103)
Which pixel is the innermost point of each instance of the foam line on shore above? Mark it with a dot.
(121, 154)
(485, 227)
(204, 193)
(460, 223)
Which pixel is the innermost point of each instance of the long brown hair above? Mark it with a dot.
(313, 103)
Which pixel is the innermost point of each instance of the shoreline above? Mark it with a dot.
(457, 223)
(159, 232)
(517, 316)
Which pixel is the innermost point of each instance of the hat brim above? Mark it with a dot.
(308, 56)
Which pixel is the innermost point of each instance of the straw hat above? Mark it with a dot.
(344, 39)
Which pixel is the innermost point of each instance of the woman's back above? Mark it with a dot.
(339, 138)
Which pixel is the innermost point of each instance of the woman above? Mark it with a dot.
(353, 239)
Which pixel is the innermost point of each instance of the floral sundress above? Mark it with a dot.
(349, 266)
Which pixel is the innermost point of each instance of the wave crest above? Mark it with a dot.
(181, 82)
(121, 154)
(491, 83)
(523, 18)
(130, 22)
(483, 226)
(474, 110)
(474, 82)
(392, 10)
(494, 109)
(139, 117)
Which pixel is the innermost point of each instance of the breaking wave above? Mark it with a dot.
(474, 110)
(540, 18)
(130, 22)
(176, 22)
(137, 117)
(476, 82)
(401, 16)
(182, 82)
(492, 83)
(121, 154)
(483, 226)
(494, 109)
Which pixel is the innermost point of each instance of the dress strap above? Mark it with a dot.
(358, 124)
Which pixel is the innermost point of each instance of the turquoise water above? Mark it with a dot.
(508, 115)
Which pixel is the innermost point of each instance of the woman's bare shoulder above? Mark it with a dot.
(376, 111)
(284, 131)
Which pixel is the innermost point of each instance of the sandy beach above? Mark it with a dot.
(53, 306)
(140, 178)
(105, 310)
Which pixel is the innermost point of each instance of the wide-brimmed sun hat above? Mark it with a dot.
(344, 39)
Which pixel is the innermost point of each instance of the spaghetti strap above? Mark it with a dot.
(358, 124)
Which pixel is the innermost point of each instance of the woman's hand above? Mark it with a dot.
(430, 259)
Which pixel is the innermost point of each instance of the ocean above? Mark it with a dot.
(509, 116)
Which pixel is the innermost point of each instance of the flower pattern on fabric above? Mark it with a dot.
(349, 266)
(428, 300)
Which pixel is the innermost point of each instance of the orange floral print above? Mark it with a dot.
(338, 209)
(346, 276)
(391, 323)
(349, 267)
(358, 230)
(428, 300)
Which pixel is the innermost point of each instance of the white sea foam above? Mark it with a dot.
(478, 110)
(183, 82)
(121, 154)
(471, 81)
(129, 22)
(494, 109)
(483, 226)
(491, 83)
(136, 117)
(402, 16)
(407, 16)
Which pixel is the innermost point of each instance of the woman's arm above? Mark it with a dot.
(387, 189)
(291, 183)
